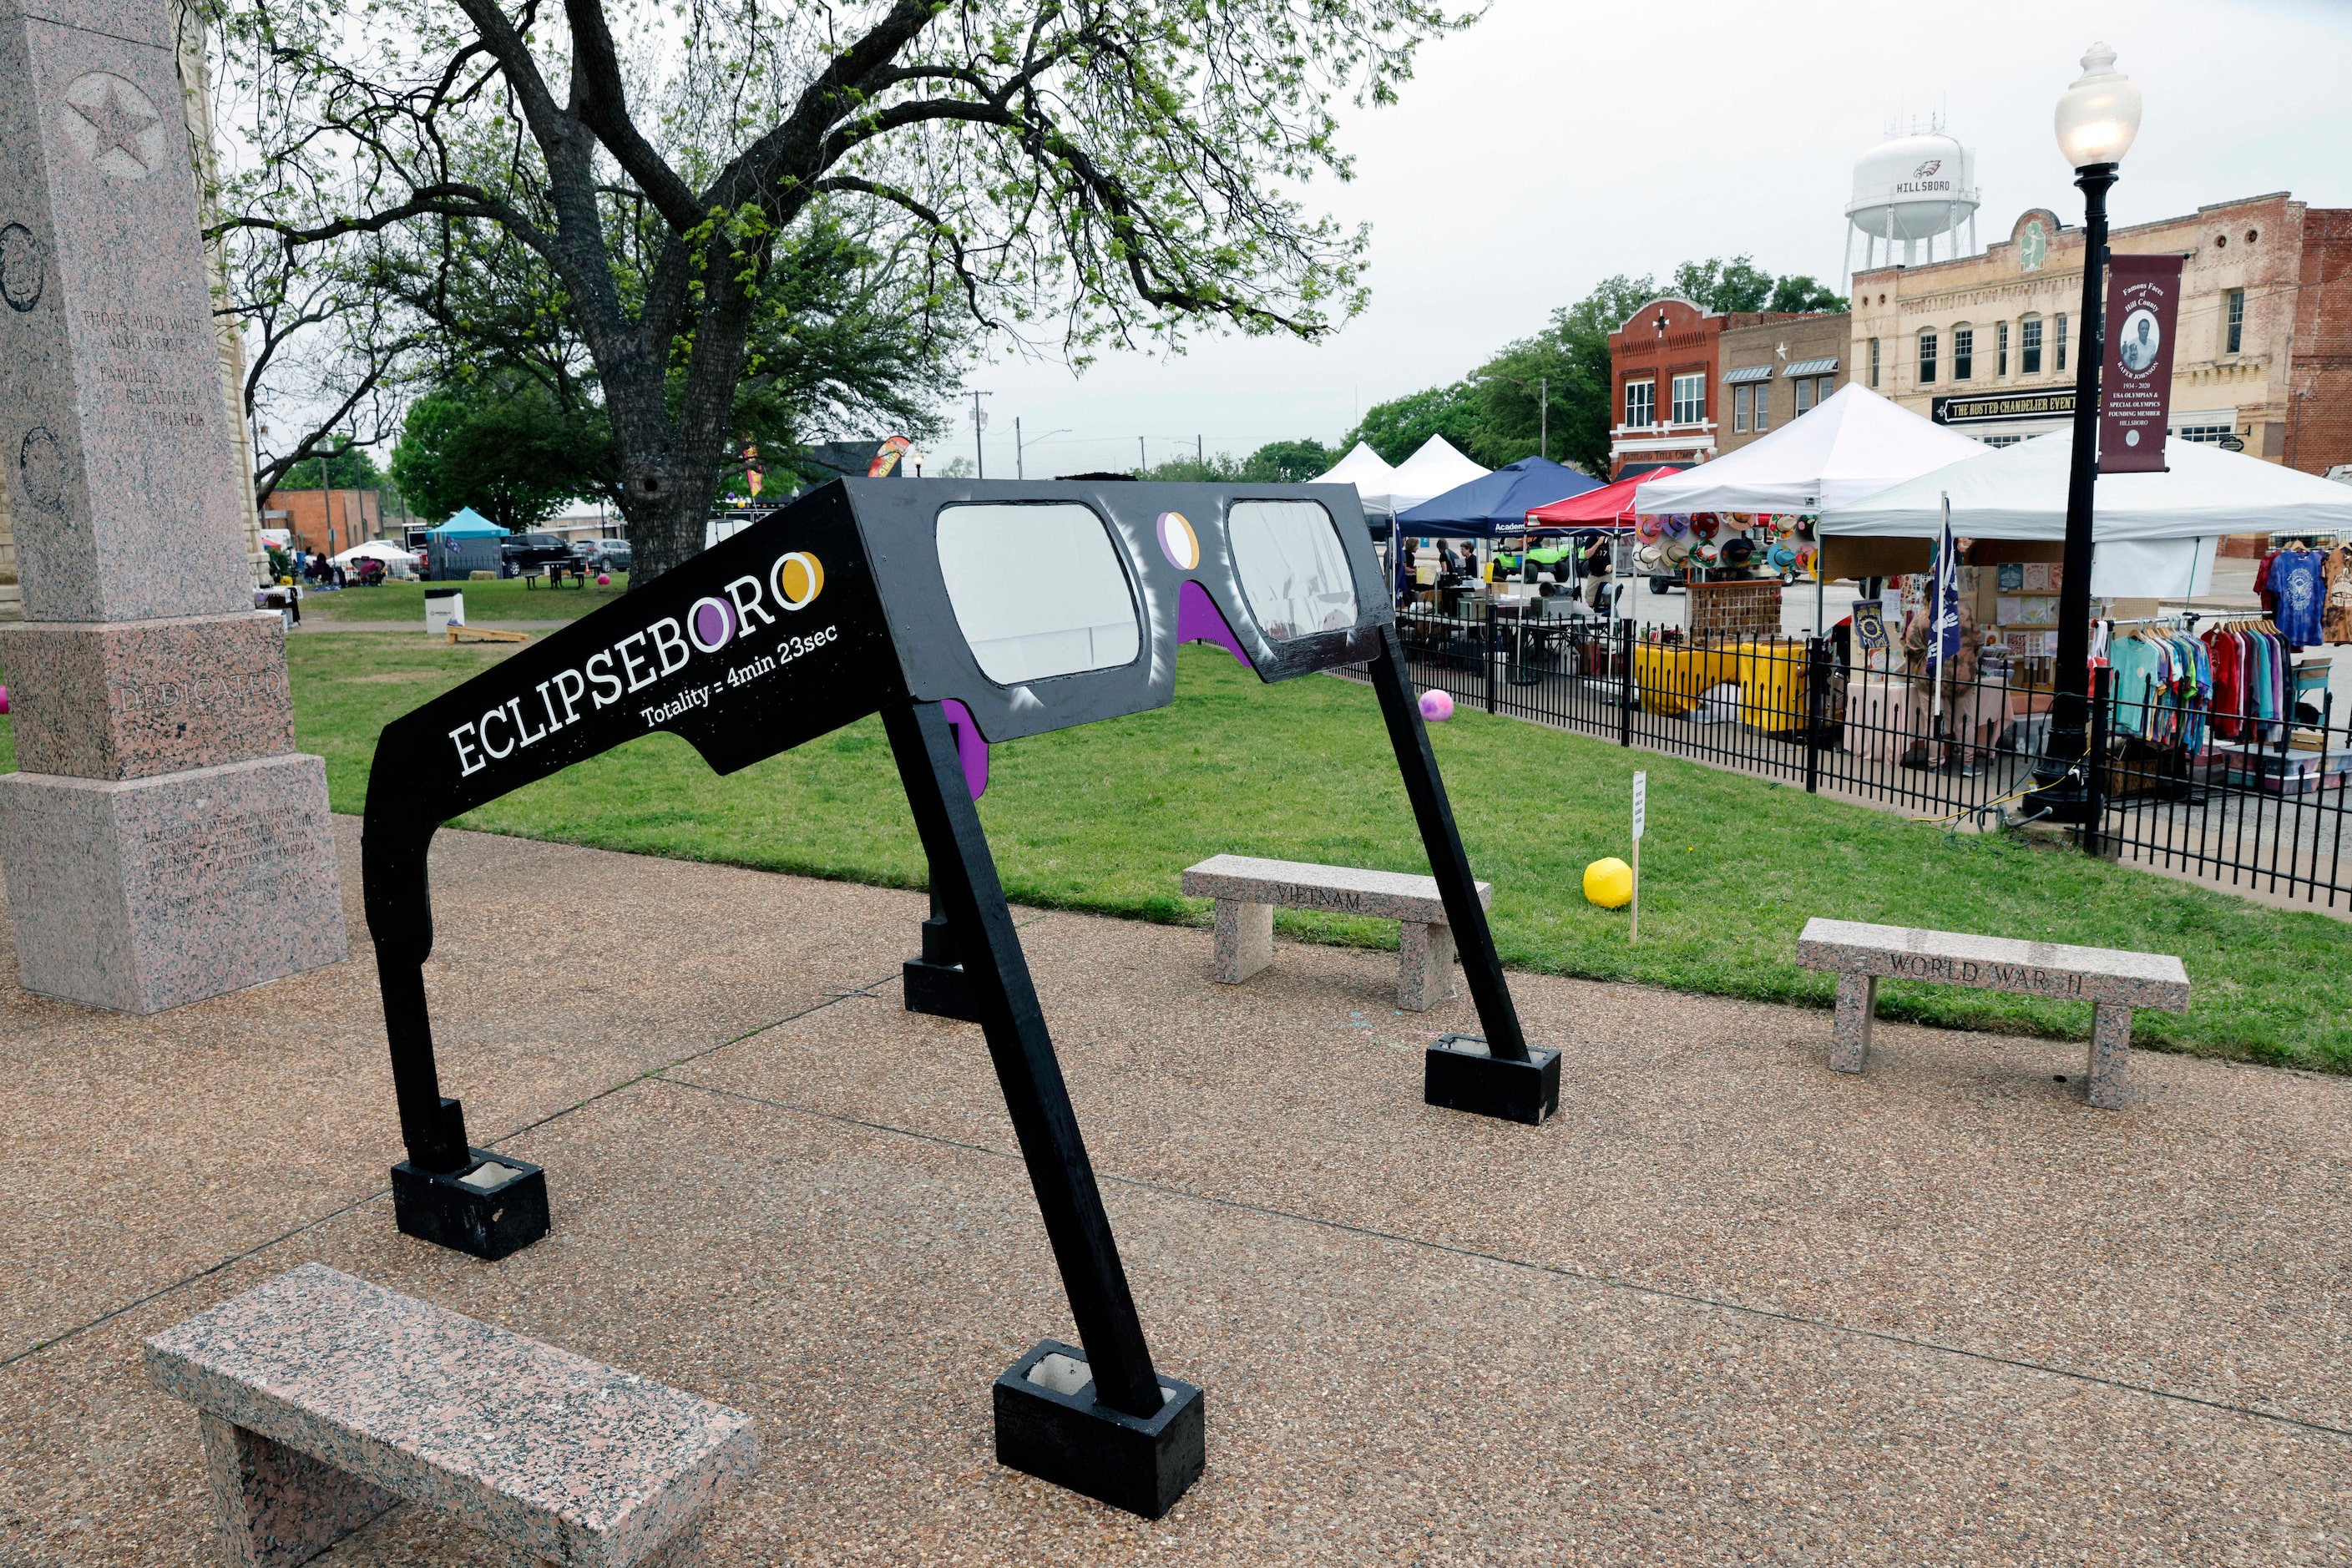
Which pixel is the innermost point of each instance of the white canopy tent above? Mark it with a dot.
(1851, 446)
(380, 549)
(1368, 471)
(2154, 535)
(1436, 469)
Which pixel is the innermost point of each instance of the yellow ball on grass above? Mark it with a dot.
(1609, 883)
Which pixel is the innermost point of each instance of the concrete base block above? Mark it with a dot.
(1857, 1001)
(1244, 939)
(1049, 1425)
(155, 892)
(1424, 965)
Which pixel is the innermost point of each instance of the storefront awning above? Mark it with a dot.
(1813, 366)
(1747, 372)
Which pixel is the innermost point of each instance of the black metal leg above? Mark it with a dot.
(1498, 1075)
(1447, 862)
(1034, 1094)
(504, 1208)
(1096, 1418)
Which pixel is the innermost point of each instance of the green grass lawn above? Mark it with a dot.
(499, 599)
(1106, 817)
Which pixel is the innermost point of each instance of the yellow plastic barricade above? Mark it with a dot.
(1772, 685)
(1674, 676)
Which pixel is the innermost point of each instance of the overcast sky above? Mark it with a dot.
(1551, 145)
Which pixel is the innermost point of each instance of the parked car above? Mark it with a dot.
(522, 553)
(604, 554)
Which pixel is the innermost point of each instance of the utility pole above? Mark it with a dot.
(1543, 416)
(979, 421)
(1199, 456)
(1020, 469)
(1141, 462)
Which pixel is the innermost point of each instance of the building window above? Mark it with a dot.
(1804, 395)
(1964, 353)
(1822, 388)
(2001, 348)
(1739, 404)
(1927, 358)
(1764, 406)
(2029, 345)
(2206, 432)
(1874, 364)
(1690, 399)
(1641, 402)
(2237, 321)
(2001, 440)
(2062, 341)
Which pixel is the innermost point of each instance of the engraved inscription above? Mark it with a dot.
(41, 465)
(113, 125)
(1986, 972)
(135, 340)
(24, 270)
(229, 853)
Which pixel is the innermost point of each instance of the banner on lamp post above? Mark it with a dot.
(2136, 379)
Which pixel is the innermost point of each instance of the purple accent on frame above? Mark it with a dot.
(971, 750)
(1198, 619)
(714, 623)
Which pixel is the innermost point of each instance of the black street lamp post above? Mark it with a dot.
(2096, 120)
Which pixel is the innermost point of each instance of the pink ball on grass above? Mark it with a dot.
(4, 700)
(1436, 707)
(603, 580)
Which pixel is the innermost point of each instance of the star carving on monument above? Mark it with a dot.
(1783, 350)
(118, 124)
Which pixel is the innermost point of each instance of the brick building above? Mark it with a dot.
(1990, 344)
(1665, 364)
(354, 518)
(1782, 367)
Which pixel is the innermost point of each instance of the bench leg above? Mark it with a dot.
(2110, 1055)
(1857, 1000)
(1424, 965)
(277, 1507)
(1244, 939)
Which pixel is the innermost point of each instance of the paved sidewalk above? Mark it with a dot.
(1730, 1306)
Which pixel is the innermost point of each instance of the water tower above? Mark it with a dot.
(1907, 190)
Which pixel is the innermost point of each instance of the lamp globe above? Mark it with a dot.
(2099, 115)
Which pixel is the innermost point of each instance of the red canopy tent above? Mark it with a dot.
(1611, 505)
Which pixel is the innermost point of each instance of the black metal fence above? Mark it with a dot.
(2251, 800)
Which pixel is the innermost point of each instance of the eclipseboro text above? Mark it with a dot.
(653, 654)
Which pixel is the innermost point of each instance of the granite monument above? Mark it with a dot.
(163, 842)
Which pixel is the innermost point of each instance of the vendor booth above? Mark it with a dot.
(1764, 496)
(466, 543)
(1495, 504)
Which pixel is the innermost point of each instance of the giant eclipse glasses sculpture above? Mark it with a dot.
(964, 613)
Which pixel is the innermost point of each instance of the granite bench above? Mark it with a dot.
(324, 1400)
(2114, 980)
(1246, 890)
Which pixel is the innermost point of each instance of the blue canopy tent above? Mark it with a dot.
(1496, 505)
(465, 545)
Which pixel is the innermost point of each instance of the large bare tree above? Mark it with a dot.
(1079, 170)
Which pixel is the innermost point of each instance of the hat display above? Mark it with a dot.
(1737, 551)
(1677, 551)
(1704, 552)
(1649, 526)
(1704, 525)
(1783, 556)
(1678, 524)
(1647, 556)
